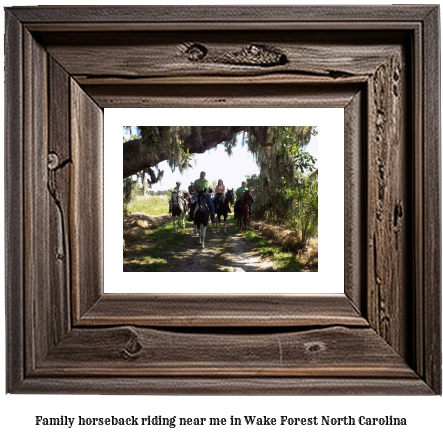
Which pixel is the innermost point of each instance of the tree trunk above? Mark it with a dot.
(144, 181)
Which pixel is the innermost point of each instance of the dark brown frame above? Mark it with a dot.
(64, 65)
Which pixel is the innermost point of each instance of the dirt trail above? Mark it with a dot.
(228, 252)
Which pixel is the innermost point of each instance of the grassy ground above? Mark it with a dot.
(152, 205)
(166, 251)
(158, 251)
(163, 250)
(283, 259)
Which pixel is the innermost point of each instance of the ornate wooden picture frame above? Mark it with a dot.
(65, 64)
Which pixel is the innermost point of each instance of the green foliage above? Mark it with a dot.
(294, 205)
(272, 145)
(285, 157)
(305, 218)
(169, 138)
(186, 158)
(282, 191)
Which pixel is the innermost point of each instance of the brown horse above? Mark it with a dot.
(243, 209)
(187, 198)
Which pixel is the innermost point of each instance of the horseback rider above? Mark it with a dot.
(202, 184)
(238, 194)
(219, 191)
(180, 194)
(191, 189)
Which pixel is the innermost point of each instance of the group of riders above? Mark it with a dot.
(212, 199)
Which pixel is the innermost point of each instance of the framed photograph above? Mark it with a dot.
(378, 332)
(151, 250)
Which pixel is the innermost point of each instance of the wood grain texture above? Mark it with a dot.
(231, 96)
(431, 316)
(160, 56)
(14, 239)
(38, 306)
(288, 386)
(418, 357)
(129, 351)
(86, 209)
(59, 167)
(384, 340)
(388, 203)
(355, 195)
(224, 14)
(252, 310)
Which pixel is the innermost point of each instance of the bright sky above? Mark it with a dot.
(218, 165)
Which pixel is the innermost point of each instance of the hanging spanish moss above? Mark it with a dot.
(285, 191)
(278, 150)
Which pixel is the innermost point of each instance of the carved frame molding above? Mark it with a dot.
(64, 65)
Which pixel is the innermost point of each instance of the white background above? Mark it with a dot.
(330, 125)
(18, 412)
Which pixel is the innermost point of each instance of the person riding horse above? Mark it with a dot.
(201, 216)
(179, 207)
(238, 194)
(202, 184)
(176, 189)
(191, 189)
(222, 209)
(219, 192)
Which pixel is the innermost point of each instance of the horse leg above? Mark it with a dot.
(240, 220)
(201, 237)
(173, 218)
(183, 213)
(203, 234)
(224, 220)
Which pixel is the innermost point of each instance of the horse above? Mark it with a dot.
(222, 208)
(187, 198)
(179, 207)
(243, 209)
(201, 217)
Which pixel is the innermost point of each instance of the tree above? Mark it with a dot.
(281, 188)
(128, 183)
(283, 191)
(272, 145)
(283, 158)
(175, 144)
